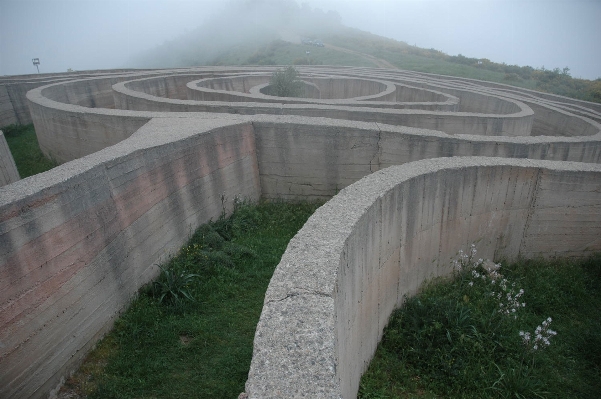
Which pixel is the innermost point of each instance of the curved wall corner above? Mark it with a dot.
(8, 169)
(13, 102)
(77, 242)
(66, 132)
(382, 237)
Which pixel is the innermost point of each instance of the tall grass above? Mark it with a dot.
(460, 339)
(168, 347)
(23, 144)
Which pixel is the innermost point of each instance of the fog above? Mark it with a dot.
(94, 34)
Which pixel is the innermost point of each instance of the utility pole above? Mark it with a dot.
(36, 62)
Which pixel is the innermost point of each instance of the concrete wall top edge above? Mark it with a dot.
(121, 87)
(135, 107)
(415, 132)
(37, 95)
(325, 233)
(342, 105)
(150, 135)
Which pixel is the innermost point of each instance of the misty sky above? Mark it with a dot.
(101, 34)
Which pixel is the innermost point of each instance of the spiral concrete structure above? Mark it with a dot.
(150, 155)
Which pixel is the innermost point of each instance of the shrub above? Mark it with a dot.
(244, 219)
(285, 83)
(512, 77)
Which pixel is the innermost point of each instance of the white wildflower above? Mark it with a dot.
(542, 336)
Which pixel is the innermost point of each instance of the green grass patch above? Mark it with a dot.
(168, 346)
(280, 52)
(23, 144)
(461, 339)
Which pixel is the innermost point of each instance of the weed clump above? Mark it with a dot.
(173, 286)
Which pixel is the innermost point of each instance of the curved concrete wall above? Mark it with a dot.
(80, 239)
(13, 90)
(169, 86)
(94, 226)
(516, 124)
(382, 237)
(241, 84)
(342, 88)
(234, 88)
(67, 132)
(581, 119)
(307, 159)
(251, 88)
(406, 96)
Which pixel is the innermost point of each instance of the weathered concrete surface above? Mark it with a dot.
(8, 169)
(478, 97)
(316, 158)
(77, 242)
(382, 237)
(168, 86)
(83, 237)
(70, 117)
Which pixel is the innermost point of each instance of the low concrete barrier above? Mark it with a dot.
(379, 239)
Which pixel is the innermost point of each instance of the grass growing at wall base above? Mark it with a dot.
(451, 341)
(175, 348)
(23, 144)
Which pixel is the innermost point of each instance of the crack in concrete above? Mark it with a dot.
(531, 209)
(378, 153)
(307, 293)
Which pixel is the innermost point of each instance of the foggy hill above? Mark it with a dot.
(243, 24)
(270, 32)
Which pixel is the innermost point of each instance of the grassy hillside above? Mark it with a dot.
(404, 56)
(280, 52)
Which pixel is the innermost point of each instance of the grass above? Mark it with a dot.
(451, 341)
(395, 53)
(23, 144)
(169, 347)
(280, 52)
